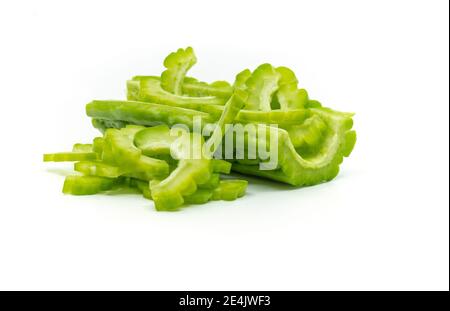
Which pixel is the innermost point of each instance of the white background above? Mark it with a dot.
(383, 224)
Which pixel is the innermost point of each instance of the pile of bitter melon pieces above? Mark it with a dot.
(176, 139)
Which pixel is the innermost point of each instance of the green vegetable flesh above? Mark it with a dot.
(201, 196)
(281, 118)
(80, 152)
(231, 110)
(142, 186)
(241, 79)
(261, 85)
(141, 113)
(183, 181)
(97, 145)
(310, 169)
(85, 185)
(221, 166)
(212, 183)
(148, 114)
(151, 91)
(82, 148)
(119, 149)
(148, 142)
(230, 190)
(190, 173)
(69, 156)
(288, 95)
(191, 87)
(307, 134)
(194, 88)
(91, 168)
(102, 124)
(177, 64)
(155, 141)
